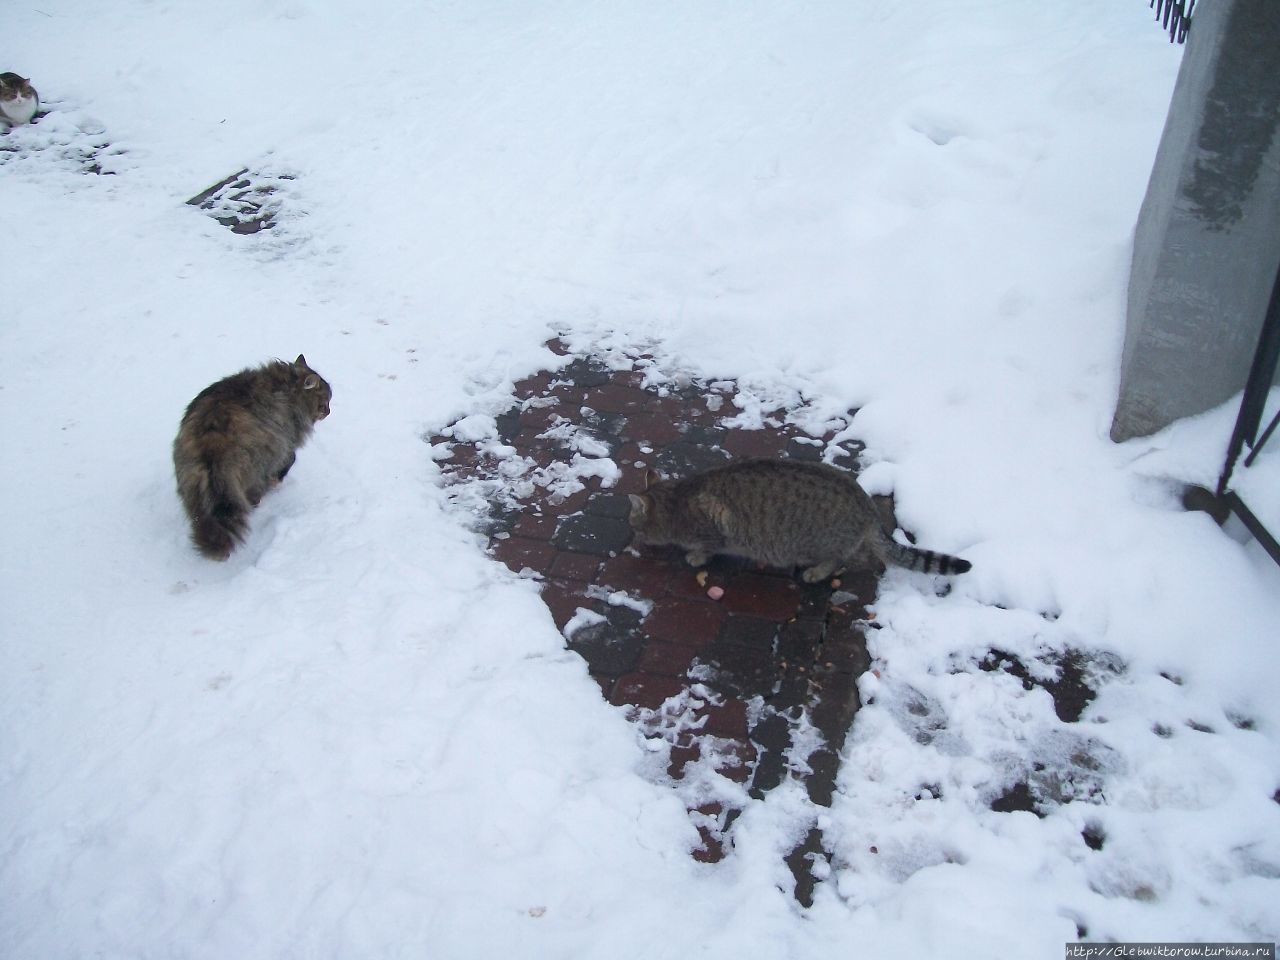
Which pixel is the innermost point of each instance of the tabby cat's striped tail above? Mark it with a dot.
(926, 561)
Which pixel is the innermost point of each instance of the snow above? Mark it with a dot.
(362, 737)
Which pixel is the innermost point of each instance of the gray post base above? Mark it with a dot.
(1207, 243)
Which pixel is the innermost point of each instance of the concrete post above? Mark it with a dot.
(1207, 244)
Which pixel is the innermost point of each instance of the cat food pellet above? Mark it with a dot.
(715, 593)
(835, 582)
(701, 578)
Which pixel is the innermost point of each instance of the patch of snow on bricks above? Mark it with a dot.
(620, 598)
(582, 617)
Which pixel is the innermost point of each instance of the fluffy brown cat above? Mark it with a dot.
(238, 439)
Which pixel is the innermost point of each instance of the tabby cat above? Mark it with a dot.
(238, 439)
(783, 513)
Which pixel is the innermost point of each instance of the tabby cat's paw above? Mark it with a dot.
(818, 572)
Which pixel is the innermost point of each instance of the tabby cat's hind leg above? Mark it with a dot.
(820, 571)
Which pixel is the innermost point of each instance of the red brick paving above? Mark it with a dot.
(768, 650)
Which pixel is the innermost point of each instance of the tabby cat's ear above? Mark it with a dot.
(301, 361)
(651, 476)
(311, 382)
(639, 505)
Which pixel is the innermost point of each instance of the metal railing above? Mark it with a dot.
(1252, 406)
(1176, 17)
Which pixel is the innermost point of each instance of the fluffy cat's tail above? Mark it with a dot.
(219, 514)
(926, 561)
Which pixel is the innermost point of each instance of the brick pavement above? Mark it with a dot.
(755, 687)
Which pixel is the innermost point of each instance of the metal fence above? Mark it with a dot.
(1175, 16)
(1252, 407)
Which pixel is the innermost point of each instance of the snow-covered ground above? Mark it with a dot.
(361, 737)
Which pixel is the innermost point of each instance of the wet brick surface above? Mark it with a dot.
(745, 668)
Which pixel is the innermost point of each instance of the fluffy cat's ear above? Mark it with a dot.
(651, 476)
(639, 506)
(301, 361)
(311, 382)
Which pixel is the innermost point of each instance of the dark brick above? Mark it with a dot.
(601, 424)
(798, 449)
(558, 347)
(567, 395)
(464, 458)
(536, 526)
(759, 595)
(712, 847)
(540, 450)
(844, 651)
(508, 424)
(563, 600)
(862, 583)
(610, 648)
(735, 760)
(618, 398)
(729, 719)
(743, 658)
(683, 459)
(645, 689)
(585, 372)
(799, 640)
(667, 659)
(754, 443)
(538, 420)
(687, 622)
(614, 505)
(772, 737)
(793, 687)
(833, 710)
(501, 520)
(712, 810)
(574, 566)
(747, 632)
(698, 416)
(847, 453)
(821, 782)
(532, 385)
(632, 479)
(519, 552)
(800, 861)
(628, 455)
(566, 506)
(703, 436)
(683, 579)
(651, 429)
(643, 576)
(814, 601)
(739, 674)
(681, 757)
(591, 533)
